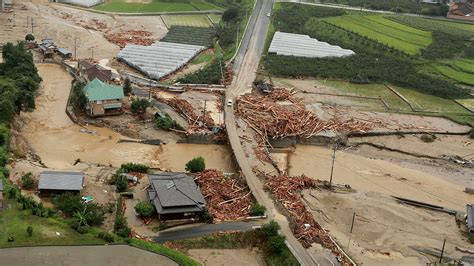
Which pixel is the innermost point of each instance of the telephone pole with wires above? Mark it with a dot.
(332, 166)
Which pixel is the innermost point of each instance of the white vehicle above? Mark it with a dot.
(268, 14)
(229, 102)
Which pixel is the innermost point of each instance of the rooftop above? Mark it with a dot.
(175, 193)
(61, 181)
(97, 90)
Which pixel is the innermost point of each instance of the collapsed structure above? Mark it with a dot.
(304, 46)
(159, 59)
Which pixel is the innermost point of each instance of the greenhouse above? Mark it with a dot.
(303, 46)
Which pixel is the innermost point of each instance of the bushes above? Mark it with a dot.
(134, 167)
(257, 210)
(270, 229)
(29, 37)
(121, 183)
(167, 123)
(444, 46)
(127, 86)
(139, 106)
(78, 98)
(210, 74)
(29, 230)
(27, 181)
(107, 237)
(68, 203)
(145, 209)
(196, 165)
(120, 225)
(471, 133)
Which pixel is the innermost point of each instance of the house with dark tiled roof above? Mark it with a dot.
(53, 183)
(90, 71)
(462, 11)
(175, 196)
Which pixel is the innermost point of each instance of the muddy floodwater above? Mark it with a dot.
(59, 142)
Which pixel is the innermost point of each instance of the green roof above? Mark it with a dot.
(97, 90)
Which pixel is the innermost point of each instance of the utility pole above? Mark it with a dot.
(14, 19)
(32, 25)
(75, 51)
(92, 51)
(237, 40)
(222, 73)
(204, 114)
(149, 92)
(353, 220)
(332, 166)
(442, 252)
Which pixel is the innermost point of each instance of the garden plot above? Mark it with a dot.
(190, 35)
(187, 20)
(458, 75)
(160, 59)
(303, 46)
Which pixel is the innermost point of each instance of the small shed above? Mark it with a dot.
(470, 218)
(64, 53)
(53, 183)
(103, 99)
(175, 196)
(1, 194)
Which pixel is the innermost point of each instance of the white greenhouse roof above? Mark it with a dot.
(158, 59)
(303, 46)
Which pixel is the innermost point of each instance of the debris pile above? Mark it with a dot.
(227, 198)
(285, 189)
(138, 37)
(279, 115)
(197, 123)
(93, 24)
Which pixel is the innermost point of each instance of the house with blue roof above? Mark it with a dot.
(103, 98)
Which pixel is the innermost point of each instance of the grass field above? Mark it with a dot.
(14, 221)
(429, 103)
(187, 20)
(389, 32)
(123, 6)
(466, 65)
(458, 75)
(468, 103)
(450, 27)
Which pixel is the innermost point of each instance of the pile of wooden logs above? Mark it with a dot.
(280, 115)
(226, 197)
(286, 191)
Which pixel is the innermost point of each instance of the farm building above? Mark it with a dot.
(159, 59)
(175, 196)
(1, 194)
(91, 71)
(103, 99)
(291, 44)
(53, 183)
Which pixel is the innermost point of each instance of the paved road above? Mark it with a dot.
(203, 230)
(81, 256)
(245, 67)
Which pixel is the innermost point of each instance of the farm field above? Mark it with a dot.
(215, 18)
(468, 103)
(187, 20)
(155, 6)
(450, 27)
(190, 35)
(388, 32)
(455, 74)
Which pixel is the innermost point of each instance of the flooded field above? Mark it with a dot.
(59, 142)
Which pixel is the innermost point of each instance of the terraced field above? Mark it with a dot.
(126, 6)
(190, 35)
(456, 74)
(458, 28)
(187, 20)
(386, 31)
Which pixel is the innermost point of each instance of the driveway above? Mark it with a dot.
(81, 255)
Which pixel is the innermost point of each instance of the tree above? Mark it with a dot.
(257, 210)
(276, 244)
(68, 203)
(196, 165)
(270, 229)
(471, 133)
(230, 14)
(121, 226)
(145, 209)
(167, 123)
(29, 230)
(127, 86)
(27, 181)
(29, 37)
(134, 167)
(139, 106)
(121, 183)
